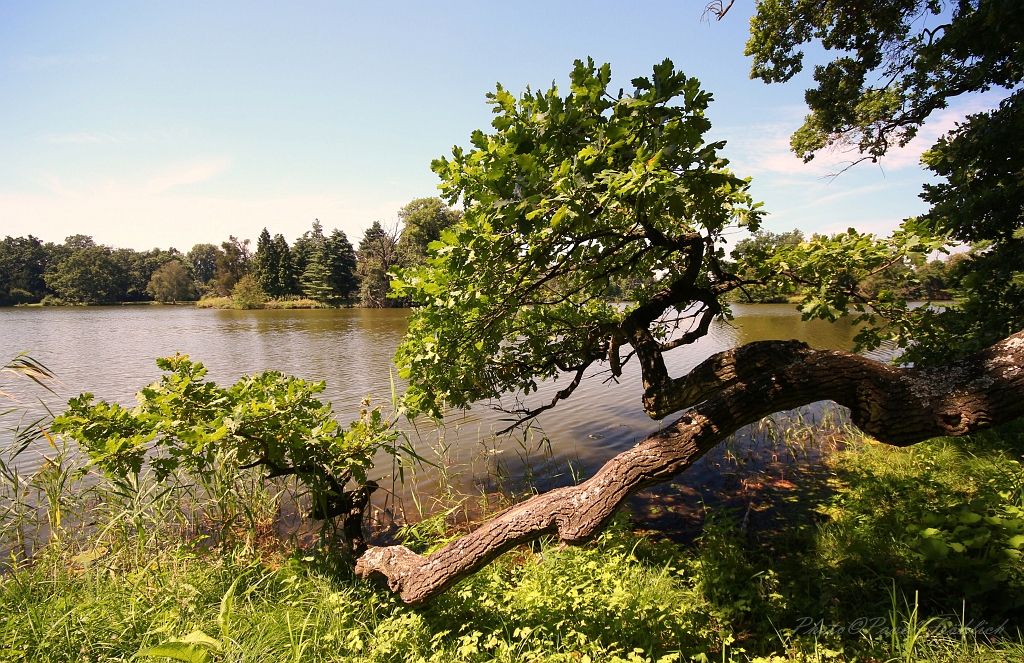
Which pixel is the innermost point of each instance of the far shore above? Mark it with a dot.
(209, 302)
(303, 303)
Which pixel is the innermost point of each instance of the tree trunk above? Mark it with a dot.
(898, 406)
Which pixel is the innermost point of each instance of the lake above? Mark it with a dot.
(110, 352)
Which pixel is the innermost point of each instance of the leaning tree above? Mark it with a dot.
(572, 193)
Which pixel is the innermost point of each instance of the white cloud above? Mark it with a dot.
(81, 138)
(160, 209)
(937, 125)
(764, 148)
(830, 199)
(189, 175)
(143, 186)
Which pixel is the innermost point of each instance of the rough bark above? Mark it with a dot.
(898, 406)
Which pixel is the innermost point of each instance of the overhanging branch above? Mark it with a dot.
(898, 406)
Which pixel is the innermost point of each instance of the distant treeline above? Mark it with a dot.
(324, 268)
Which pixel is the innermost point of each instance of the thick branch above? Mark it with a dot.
(720, 371)
(897, 406)
(636, 328)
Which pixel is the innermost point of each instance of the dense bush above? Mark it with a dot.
(184, 423)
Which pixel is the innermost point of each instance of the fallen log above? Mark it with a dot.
(897, 406)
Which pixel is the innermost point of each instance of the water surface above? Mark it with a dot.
(110, 352)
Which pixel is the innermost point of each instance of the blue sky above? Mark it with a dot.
(170, 123)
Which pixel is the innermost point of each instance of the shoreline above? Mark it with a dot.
(208, 303)
(303, 303)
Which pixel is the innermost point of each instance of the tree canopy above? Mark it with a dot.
(82, 272)
(422, 220)
(755, 249)
(567, 194)
(232, 264)
(78, 271)
(378, 253)
(23, 263)
(170, 283)
(271, 265)
(894, 69)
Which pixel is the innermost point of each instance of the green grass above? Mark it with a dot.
(883, 562)
(945, 518)
(292, 303)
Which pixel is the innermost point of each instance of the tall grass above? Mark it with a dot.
(622, 598)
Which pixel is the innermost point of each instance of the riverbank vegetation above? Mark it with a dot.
(871, 553)
(319, 270)
(259, 302)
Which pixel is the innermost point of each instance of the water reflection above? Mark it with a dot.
(110, 351)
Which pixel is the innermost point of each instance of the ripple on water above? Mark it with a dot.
(110, 351)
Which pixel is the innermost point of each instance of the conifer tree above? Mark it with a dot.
(378, 253)
(316, 280)
(306, 245)
(287, 281)
(265, 265)
(341, 261)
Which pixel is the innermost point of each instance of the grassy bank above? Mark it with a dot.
(890, 554)
(59, 304)
(229, 302)
(208, 302)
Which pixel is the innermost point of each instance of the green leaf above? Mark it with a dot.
(85, 559)
(226, 606)
(933, 548)
(178, 651)
(969, 517)
(197, 637)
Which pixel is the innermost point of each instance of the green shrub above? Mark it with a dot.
(945, 516)
(247, 294)
(268, 420)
